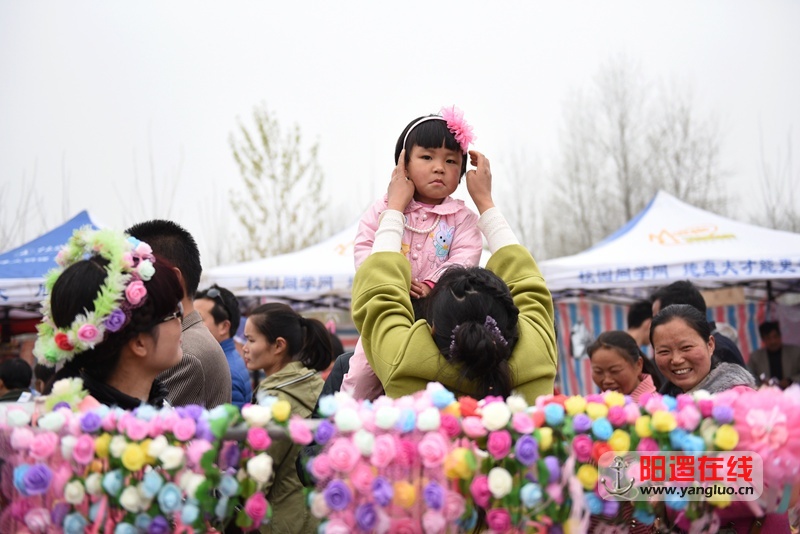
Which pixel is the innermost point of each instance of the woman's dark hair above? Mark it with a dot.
(307, 340)
(624, 344)
(691, 316)
(74, 293)
(429, 134)
(457, 308)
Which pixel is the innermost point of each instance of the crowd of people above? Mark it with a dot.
(124, 314)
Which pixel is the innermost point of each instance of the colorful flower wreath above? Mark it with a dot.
(130, 264)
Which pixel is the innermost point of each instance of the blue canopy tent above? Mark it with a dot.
(22, 269)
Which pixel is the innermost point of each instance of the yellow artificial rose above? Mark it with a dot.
(614, 398)
(620, 441)
(595, 410)
(662, 421)
(405, 495)
(454, 409)
(133, 458)
(145, 444)
(545, 437)
(642, 426)
(101, 444)
(587, 475)
(726, 438)
(575, 405)
(281, 411)
(708, 429)
(460, 463)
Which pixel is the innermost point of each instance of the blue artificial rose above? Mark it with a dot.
(142, 521)
(169, 498)
(407, 420)
(190, 512)
(221, 509)
(145, 412)
(675, 502)
(469, 523)
(593, 502)
(151, 483)
(327, 406)
(74, 523)
(228, 486)
(643, 516)
(531, 494)
(112, 482)
(602, 429)
(554, 414)
(19, 476)
(442, 398)
(676, 437)
(670, 402)
(125, 528)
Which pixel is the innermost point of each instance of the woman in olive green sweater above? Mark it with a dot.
(488, 331)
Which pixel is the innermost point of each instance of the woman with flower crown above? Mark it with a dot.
(111, 318)
(487, 331)
(439, 231)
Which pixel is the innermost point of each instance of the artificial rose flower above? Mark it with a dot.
(62, 342)
(131, 500)
(171, 457)
(575, 405)
(319, 508)
(343, 455)
(184, 429)
(460, 464)
(94, 484)
(281, 411)
(117, 446)
(614, 398)
(44, 445)
(337, 495)
(642, 426)
(433, 522)
(189, 482)
(256, 507)
(146, 270)
(321, 467)
(195, 451)
(663, 421)
(142, 249)
(582, 447)
(468, 406)
(299, 431)
(499, 444)
(617, 416)
(522, 423)
(135, 292)
(516, 403)
(258, 438)
(386, 417)
(498, 520)
(495, 415)
(36, 479)
(433, 449)
(366, 517)
(450, 426)
(473, 427)
(170, 497)
(599, 448)
(587, 475)
(74, 492)
(157, 446)
(116, 320)
(21, 438)
(260, 468)
(620, 441)
(405, 494)
(406, 452)
(726, 437)
(479, 489)
(688, 418)
(133, 458)
(38, 520)
(365, 441)
(88, 333)
(384, 451)
(647, 445)
(361, 478)
(596, 410)
(429, 419)
(544, 436)
(454, 505)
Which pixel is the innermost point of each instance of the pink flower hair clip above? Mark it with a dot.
(462, 131)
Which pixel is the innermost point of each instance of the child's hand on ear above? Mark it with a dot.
(401, 189)
(419, 290)
(479, 181)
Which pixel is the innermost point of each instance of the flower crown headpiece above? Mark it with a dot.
(454, 118)
(130, 264)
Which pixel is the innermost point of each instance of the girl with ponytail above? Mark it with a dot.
(487, 331)
(291, 350)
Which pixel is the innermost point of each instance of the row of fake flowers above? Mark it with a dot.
(429, 463)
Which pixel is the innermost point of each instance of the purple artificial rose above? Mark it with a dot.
(229, 455)
(382, 491)
(723, 414)
(526, 450)
(37, 479)
(325, 431)
(337, 495)
(366, 517)
(90, 422)
(159, 525)
(60, 511)
(60, 405)
(192, 410)
(203, 431)
(116, 320)
(434, 495)
(554, 467)
(610, 508)
(581, 423)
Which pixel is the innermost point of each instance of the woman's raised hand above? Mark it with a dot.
(479, 181)
(401, 189)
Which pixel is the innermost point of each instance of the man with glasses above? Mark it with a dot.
(220, 312)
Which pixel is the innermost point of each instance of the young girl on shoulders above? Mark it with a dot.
(440, 231)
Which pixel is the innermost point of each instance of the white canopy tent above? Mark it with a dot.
(671, 240)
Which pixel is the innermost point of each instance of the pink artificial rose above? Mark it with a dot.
(168, 420)
(21, 438)
(473, 427)
(450, 426)
(135, 292)
(258, 438)
(383, 451)
(43, 446)
(337, 526)
(321, 467)
(433, 449)
(499, 444)
(684, 400)
(433, 522)
(256, 507)
(454, 505)
(405, 526)
(521, 422)
(38, 520)
(344, 455)
(361, 478)
(647, 445)
(616, 416)
(127, 260)
(61, 475)
(143, 249)
(688, 418)
(706, 407)
(196, 450)
(155, 427)
(184, 428)
(299, 431)
(554, 492)
(498, 519)
(632, 413)
(109, 422)
(83, 451)
(137, 429)
(406, 452)
(582, 447)
(654, 404)
(88, 333)
(479, 488)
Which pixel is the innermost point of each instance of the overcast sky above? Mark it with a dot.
(91, 91)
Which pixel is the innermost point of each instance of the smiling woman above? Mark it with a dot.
(683, 346)
(619, 365)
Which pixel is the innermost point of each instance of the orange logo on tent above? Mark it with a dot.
(692, 234)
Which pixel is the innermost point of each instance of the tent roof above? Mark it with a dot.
(22, 269)
(670, 240)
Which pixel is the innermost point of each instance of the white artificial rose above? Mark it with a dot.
(260, 468)
(429, 419)
(52, 421)
(500, 482)
(516, 403)
(495, 415)
(171, 457)
(256, 415)
(94, 484)
(67, 444)
(347, 420)
(117, 446)
(364, 440)
(17, 417)
(189, 482)
(157, 446)
(319, 508)
(386, 417)
(131, 500)
(74, 492)
(701, 394)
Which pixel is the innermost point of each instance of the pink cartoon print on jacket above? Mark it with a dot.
(442, 240)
